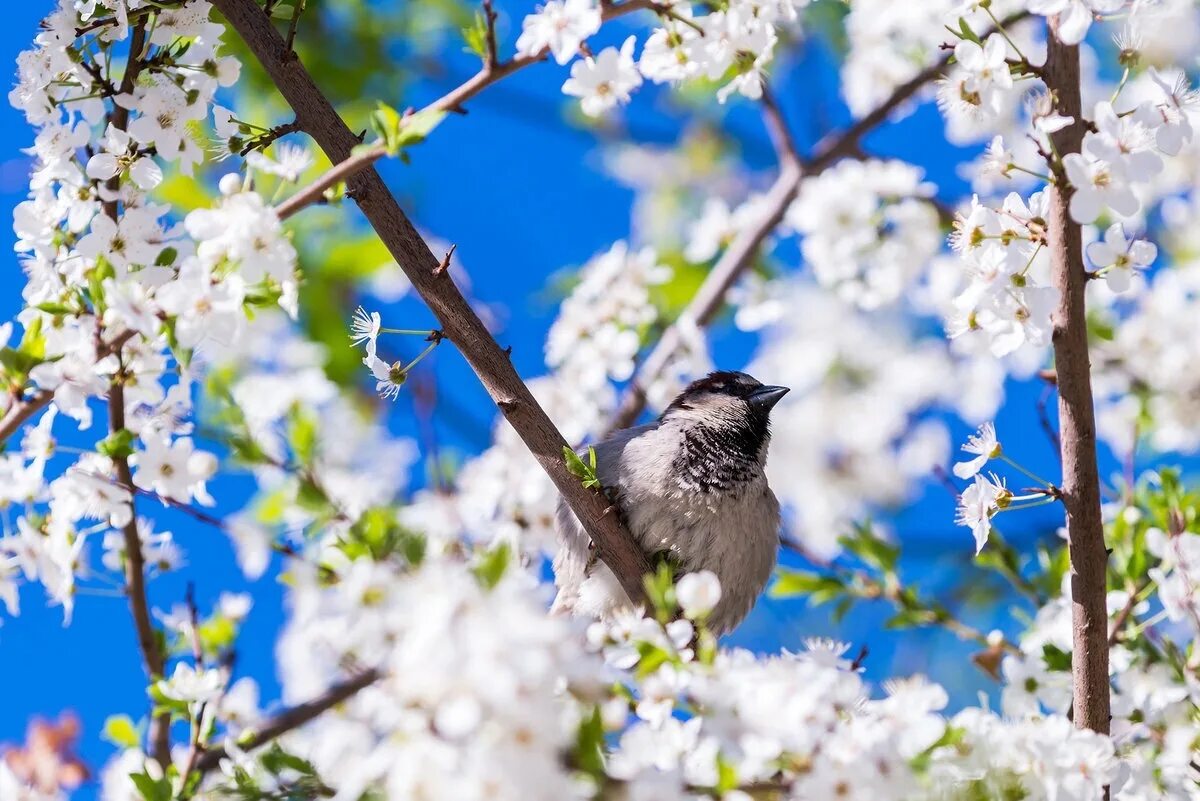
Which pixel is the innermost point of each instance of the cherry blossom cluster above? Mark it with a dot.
(1145, 391)
(1154, 705)
(877, 376)
(471, 702)
(734, 44)
(600, 325)
(868, 230)
(889, 44)
(1004, 295)
(119, 296)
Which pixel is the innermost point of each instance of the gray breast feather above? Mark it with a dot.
(734, 534)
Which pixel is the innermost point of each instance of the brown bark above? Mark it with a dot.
(458, 321)
(1077, 420)
(135, 582)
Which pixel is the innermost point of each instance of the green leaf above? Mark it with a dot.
(727, 778)
(151, 789)
(908, 618)
(17, 363)
(1056, 658)
(475, 35)
(951, 737)
(164, 704)
(871, 549)
(589, 745)
(966, 31)
(660, 587)
(117, 444)
(166, 257)
(490, 569)
(121, 732)
(789, 583)
(33, 342)
(302, 435)
(386, 122)
(399, 131)
(651, 658)
(217, 634)
(584, 471)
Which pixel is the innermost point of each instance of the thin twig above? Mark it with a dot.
(21, 411)
(338, 173)
(270, 137)
(292, 718)
(1043, 416)
(297, 10)
(492, 57)
(738, 257)
(196, 745)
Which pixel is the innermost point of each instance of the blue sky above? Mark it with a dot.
(522, 195)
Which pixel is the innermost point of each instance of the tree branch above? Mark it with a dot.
(710, 298)
(456, 317)
(292, 718)
(21, 411)
(342, 171)
(491, 73)
(135, 580)
(1076, 414)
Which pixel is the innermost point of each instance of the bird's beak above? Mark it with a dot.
(764, 398)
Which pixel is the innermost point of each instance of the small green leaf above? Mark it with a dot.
(727, 778)
(966, 31)
(55, 308)
(908, 618)
(589, 745)
(117, 444)
(302, 433)
(151, 789)
(1056, 658)
(16, 362)
(166, 257)
(584, 471)
(789, 583)
(475, 35)
(871, 549)
(490, 569)
(386, 122)
(398, 131)
(120, 731)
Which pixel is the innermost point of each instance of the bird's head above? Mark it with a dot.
(730, 401)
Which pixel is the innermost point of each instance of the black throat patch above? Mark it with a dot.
(718, 459)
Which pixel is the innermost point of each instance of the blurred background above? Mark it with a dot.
(528, 191)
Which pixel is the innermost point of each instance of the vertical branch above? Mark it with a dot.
(1077, 420)
(135, 563)
(135, 579)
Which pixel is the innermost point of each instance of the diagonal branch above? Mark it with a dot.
(738, 257)
(456, 317)
(292, 718)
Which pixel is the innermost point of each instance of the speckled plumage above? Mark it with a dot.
(692, 484)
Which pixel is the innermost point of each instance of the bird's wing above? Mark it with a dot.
(574, 561)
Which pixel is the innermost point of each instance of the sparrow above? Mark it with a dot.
(690, 487)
